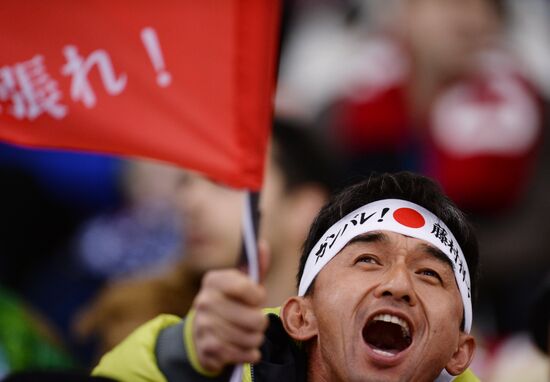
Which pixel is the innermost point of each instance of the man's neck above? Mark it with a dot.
(317, 368)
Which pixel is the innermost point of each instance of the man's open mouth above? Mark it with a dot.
(387, 334)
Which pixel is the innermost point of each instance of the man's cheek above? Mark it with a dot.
(445, 319)
(340, 299)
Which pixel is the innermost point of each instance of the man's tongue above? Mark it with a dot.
(386, 338)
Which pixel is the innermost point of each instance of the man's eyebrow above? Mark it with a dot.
(438, 254)
(380, 237)
(369, 237)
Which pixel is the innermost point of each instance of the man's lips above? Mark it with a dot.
(387, 335)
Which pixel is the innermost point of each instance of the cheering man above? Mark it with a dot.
(385, 292)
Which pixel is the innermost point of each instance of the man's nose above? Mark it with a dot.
(397, 283)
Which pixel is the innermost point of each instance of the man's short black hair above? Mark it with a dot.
(415, 188)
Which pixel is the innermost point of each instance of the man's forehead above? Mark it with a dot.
(386, 237)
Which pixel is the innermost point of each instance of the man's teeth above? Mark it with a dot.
(394, 320)
(384, 352)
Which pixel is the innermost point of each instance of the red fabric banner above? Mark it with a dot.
(186, 81)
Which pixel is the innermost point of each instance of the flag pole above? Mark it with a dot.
(249, 255)
(250, 220)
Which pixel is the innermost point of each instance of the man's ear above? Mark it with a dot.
(298, 318)
(463, 355)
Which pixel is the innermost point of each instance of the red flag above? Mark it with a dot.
(189, 82)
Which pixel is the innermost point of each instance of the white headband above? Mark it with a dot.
(398, 216)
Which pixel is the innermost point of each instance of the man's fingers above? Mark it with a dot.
(235, 285)
(216, 353)
(236, 336)
(243, 316)
(229, 324)
(248, 319)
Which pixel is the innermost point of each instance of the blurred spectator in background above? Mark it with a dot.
(129, 226)
(211, 216)
(427, 87)
(299, 178)
(142, 235)
(442, 98)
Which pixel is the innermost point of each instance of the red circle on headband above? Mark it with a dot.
(409, 217)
